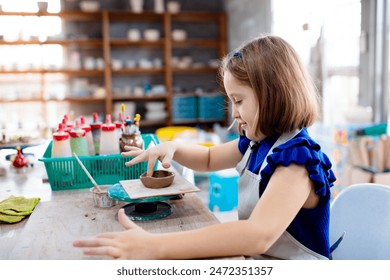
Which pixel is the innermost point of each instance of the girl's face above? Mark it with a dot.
(245, 107)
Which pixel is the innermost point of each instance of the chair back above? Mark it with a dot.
(362, 211)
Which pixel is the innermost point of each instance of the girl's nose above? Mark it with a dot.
(235, 113)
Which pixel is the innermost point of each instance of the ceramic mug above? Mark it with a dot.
(133, 34)
(137, 6)
(173, 7)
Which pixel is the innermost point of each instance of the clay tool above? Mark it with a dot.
(86, 172)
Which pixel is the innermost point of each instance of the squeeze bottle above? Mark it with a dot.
(119, 124)
(109, 142)
(68, 125)
(61, 143)
(78, 140)
(88, 135)
(96, 128)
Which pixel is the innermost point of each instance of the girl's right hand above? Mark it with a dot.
(163, 152)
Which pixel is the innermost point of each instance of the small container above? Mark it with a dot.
(151, 34)
(173, 7)
(78, 140)
(88, 135)
(133, 34)
(133, 139)
(61, 143)
(42, 6)
(68, 125)
(159, 6)
(89, 6)
(137, 6)
(108, 140)
(179, 34)
(119, 125)
(101, 198)
(96, 129)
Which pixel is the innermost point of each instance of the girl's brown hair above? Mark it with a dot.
(284, 90)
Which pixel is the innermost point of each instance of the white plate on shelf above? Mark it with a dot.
(155, 106)
(154, 116)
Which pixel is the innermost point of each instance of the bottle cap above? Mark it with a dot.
(96, 124)
(84, 126)
(60, 134)
(67, 121)
(108, 126)
(77, 131)
(67, 126)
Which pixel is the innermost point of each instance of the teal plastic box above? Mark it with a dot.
(67, 174)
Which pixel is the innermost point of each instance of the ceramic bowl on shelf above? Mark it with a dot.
(173, 7)
(179, 34)
(137, 6)
(156, 116)
(151, 34)
(133, 34)
(42, 6)
(89, 6)
(155, 106)
(159, 179)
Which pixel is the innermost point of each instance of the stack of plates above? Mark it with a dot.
(155, 111)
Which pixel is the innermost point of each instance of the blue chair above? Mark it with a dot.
(362, 213)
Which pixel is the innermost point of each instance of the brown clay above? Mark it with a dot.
(160, 179)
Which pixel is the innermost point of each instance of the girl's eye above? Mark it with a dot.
(237, 101)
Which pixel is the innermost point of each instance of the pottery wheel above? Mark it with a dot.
(146, 211)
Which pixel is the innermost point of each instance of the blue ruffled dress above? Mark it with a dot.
(311, 226)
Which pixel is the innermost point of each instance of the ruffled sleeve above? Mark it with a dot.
(302, 151)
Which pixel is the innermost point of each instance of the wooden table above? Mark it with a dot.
(64, 216)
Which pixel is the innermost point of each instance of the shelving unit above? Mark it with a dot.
(109, 45)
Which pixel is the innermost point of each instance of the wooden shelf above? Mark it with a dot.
(69, 15)
(65, 42)
(140, 98)
(82, 99)
(138, 71)
(109, 44)
(142, 43)
(193, 70)
(135, 17)
(196, 16)
(65, 72)
(196, 43)
(21, 100)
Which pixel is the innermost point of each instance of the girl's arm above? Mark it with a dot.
(286, 193)
(196, 157)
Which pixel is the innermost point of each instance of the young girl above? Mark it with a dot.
(285, 178)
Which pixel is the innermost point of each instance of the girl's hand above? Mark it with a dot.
(133, 243)
(163, 152)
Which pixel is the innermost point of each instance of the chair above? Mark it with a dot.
(362, 211)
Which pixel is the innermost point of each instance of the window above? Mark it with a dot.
(329, 43)
(22, 59)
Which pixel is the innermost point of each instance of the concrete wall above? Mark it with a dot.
(246, 19)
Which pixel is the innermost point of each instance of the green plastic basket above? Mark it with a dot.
(67, 174)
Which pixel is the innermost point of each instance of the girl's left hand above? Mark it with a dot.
(133, 243)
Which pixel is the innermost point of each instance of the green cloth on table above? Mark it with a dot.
(15, 208)
(10, 218)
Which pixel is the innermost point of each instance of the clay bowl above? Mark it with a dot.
(159, 179)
